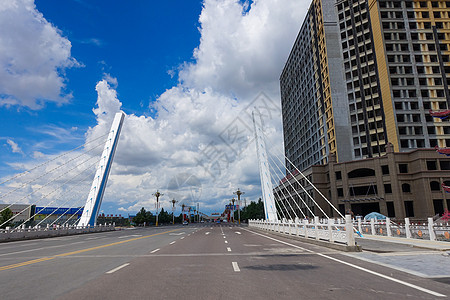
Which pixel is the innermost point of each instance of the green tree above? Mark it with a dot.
(255, 210)
(164, 217)
(5, 215)
(144, 216)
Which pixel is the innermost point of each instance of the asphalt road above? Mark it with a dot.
(197, 262)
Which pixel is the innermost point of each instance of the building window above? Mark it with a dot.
(387, 188)
(338, 175)
(445, 165)
(390, 209)
(409, 209)
(340, 192)
(385, 169)
(431, 164)
(406, 188)
(363, 172)
(435, 186)
(438, 206)
(403, 168)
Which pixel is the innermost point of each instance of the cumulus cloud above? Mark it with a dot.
(241, 53)
(202, 127)
(33, 56)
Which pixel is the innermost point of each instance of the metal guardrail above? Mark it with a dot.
(328, 230)
(23, 233)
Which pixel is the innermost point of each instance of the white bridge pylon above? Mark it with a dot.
(266, 183)
(94, 200)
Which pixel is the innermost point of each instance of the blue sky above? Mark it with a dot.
(182, 71)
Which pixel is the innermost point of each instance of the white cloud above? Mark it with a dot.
(242, 52)
(14, 146)
(33, 56)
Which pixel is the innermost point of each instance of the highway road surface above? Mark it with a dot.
(204, 261)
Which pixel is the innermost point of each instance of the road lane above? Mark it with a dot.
(260, 267)
(55, 267)
(195, 262)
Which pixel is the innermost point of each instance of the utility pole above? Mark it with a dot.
(239, 193)
(157, 195)
(173, 210)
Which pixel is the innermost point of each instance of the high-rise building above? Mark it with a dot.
(313, 96)
(363, 73)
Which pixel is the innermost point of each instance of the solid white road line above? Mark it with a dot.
(117, 269)
(172, 243)
(228, 249)
(156, 250)
(235, 266)
(356, 267)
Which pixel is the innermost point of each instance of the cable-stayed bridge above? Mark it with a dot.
(198, 261)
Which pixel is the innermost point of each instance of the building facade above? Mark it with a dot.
(363, 73)
(313, 96)
(362, 77)
(398, 185)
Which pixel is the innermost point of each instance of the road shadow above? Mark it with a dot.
(281, 267)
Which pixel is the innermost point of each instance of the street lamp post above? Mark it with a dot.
(173, 210)
(239, 193)
(232, 208)
(157, 195)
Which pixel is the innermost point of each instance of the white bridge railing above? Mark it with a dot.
(329, 230)
(415, 230)
(23, 233)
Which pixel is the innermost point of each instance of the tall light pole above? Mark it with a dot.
(182, 212)
(239, 193)
(173, 210)
(232, 207)
(157, 195)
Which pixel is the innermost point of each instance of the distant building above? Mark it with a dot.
(58, 216)
(21, 212)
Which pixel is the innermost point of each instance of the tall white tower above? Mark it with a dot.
(94, 200)
(266, 184)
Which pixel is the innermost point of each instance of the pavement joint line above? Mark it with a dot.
(235, 266)
(79, 251)
(228, 249)
(156, 250)
(117, 269)
(357, 267)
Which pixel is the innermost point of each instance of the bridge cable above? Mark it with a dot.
(49, 161)
(42, 175)
(40, 188)
(66, 192)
